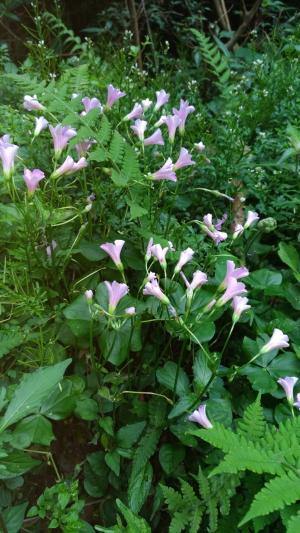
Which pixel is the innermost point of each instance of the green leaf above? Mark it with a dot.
(289, 255)
(184, 405)
(31, 392)
(136, 210)
(130, 434)
(91, 251)
(95, 474)
(170, 457)
(15, 464)
(86, 408)
(61, 401)
(294, 524)
(263, 278)
(34, 429)
(14, 517)
(275, 495)
(219, 410)
(9, 339)
(201, 370)
(119, 179)
(139, 488)
(98, 155)
(166, 376)
(112, 460)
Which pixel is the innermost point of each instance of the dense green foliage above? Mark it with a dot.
(111, 354)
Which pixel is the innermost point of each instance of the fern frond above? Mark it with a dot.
(103, 135)
(196, 519)
(134, 523)
(189, 496)
(117, 147)
(253, 424)
(294, 524)
(218, 436)
(67, 37)
(211, 54)
(250, 457)
(274, 496)
(174, 499)
(130, 166)
(203, 484)
(179, 521)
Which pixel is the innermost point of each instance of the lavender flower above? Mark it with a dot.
(155, 138)
(200, 147)
(113, 94)
(146, 104)
(211, 231)
(252, 217)
(239, 305)
(234, 288)
(31, 103)
(136, 112)
(114, 251)
(69, 166)
(61, 136)
(185, 256)
(166, 172)
(116, 291)
(83, 146)
(152, 288)
(232, 272)
(199, 416)
(130, 311)
(297, 402)
(40, 124)
(89, 104)
(184, 160)
(32, 178)
(148, 251)
(277, 341)
(89, 295)
(139, 128)
(237, 231)
(288, 385)
(172, 123)
(8, 154)
(182, 113)
(160, 254)
(50, 248)
(160, 122)
(161, 99)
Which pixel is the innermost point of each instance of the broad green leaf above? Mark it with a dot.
(140, 487)
(170, 457)
(201, 370)
(16, 463)
(86, 408)
(219, 410)
(61, 401)
(31, 392)
(166, 376)
(263, 278)
(112, 460)
(95, 474)
(14, 516)
(289, 255)
(128, 435)
(35, 429)
(9, 339)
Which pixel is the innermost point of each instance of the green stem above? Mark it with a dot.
(178, 368)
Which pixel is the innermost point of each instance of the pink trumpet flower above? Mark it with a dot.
(166, 172)
(239, 305)
(5, 139)
(148, 250)
(232, 272)
(252, 217)
(211, 231)
(40, 124)
(69, 166)
(113, 249)
(288, 384)
(130, 311)
(89, 295)
(160, 254)
(116, 291)
(31, 103)
(199, 416)
(237, 231)
(139, 128)
(234, 288)
(155, 138)
(161, 99)
(50, 248)
(8, 154)
(184, 160)
(32, 178)
(160, 122)
(185, 257)
(152, 288)
(113, 94)
(136, 112)
(199, 279)
(200, 147)
(61, 136)
(146, 104)
(297, 402)
(277, 341)
(89, 104)
(172, 123)
(182, 113)
(83, 146)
